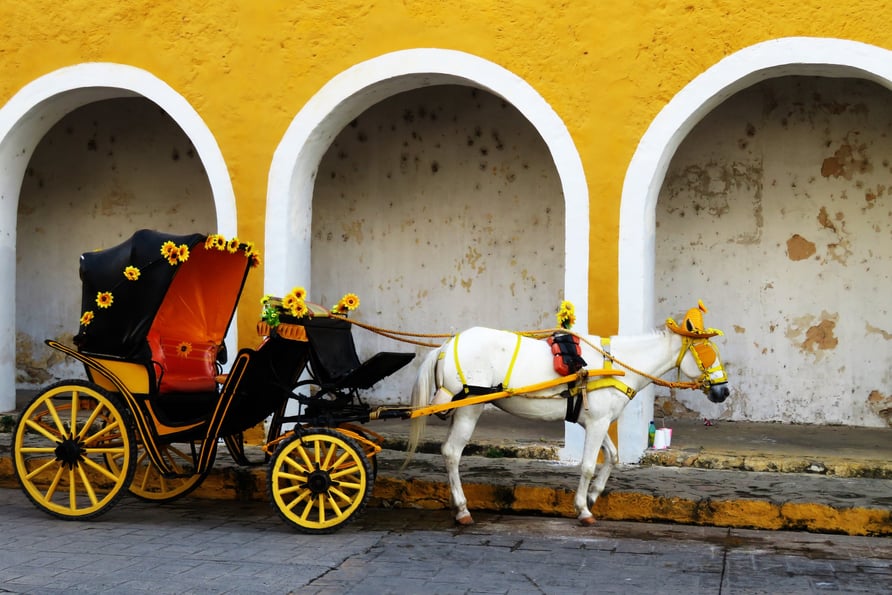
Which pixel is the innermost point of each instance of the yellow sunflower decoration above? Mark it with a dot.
(104, 299)
(131, 273)
(346, 304)
(566, 315)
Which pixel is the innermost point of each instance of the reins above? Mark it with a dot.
(411, 338)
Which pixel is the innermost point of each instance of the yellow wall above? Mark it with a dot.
(606, 68)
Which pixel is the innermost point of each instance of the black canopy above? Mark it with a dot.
(125, 286)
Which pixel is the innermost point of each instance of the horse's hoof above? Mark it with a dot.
(587, 521)
(465, 520)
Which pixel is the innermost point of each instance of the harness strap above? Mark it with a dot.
(611, 382)
(478, 390)
(505, 382)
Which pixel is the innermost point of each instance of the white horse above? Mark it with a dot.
(482, 357)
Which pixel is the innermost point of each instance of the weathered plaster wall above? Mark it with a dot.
(247, 69)
(439, 207)
(102, 172)
(607, 71)
(776, 211)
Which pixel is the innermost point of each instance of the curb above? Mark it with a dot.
(690, 496)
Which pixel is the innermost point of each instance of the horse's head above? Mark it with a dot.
(699, 357)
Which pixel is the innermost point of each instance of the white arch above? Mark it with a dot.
(647, 170)
(26, 118)
(346, 96)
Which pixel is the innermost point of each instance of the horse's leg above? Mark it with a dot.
(611, 458)
(595, 431)
(464, 420)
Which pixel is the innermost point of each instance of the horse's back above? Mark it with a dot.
(490, 357)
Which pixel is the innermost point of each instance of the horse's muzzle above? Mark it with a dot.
(718, 392)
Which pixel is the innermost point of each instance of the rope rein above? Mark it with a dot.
(412, 338)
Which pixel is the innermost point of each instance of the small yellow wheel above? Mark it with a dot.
(148, 483)
(61, 447)
(319, 480)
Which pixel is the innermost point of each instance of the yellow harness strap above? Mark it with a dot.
(609, 381)
(461, 374)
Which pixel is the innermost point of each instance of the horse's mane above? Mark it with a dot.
(632, 339)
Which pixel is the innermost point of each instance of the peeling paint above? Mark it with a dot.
(798, 248)
(872, 330)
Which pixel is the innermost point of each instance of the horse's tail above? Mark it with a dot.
(421, 394)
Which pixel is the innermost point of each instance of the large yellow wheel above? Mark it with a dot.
(320, 480)
(148, 482)
(62, 445)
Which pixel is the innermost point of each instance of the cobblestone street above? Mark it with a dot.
(198, 546)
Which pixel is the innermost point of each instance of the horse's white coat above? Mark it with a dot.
(484, 356)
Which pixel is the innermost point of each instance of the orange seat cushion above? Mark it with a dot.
(187, 366)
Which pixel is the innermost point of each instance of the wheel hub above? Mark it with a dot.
(319, 481)
(69, 452)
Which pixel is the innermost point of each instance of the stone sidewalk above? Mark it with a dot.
(744, 475)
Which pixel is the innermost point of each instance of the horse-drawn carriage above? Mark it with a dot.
(155, 405)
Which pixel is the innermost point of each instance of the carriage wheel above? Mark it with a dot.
(148, 483)
(61, 448)
(319, 480)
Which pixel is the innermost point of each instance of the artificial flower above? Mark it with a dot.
(347, 303)
(249, 248)
(232, 245)
(300, 310)
(566, 315)
(184, 349)
(131, 273)
(211, 241)
(292, 304)
(168, 250)
(104, 299)
(87, 318)
(255, 259)
(183, 253)
(299, 293)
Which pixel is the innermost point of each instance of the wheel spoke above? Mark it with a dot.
(91, 494)
(74, 409)
(344, 472)
(39, 470)
(87, 462)
(51, 408)
(103, 433)
(88, 424)
(43, 430)
(302, 468)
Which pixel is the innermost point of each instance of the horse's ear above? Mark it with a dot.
(701, 306)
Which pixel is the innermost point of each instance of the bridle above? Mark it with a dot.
(706, 354)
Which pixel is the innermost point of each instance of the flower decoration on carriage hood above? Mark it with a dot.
(137, 259)
(215, 241)
(692, 324)
(566, 315)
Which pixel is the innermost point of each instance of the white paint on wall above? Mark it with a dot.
(31, 112)
(647, 170)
